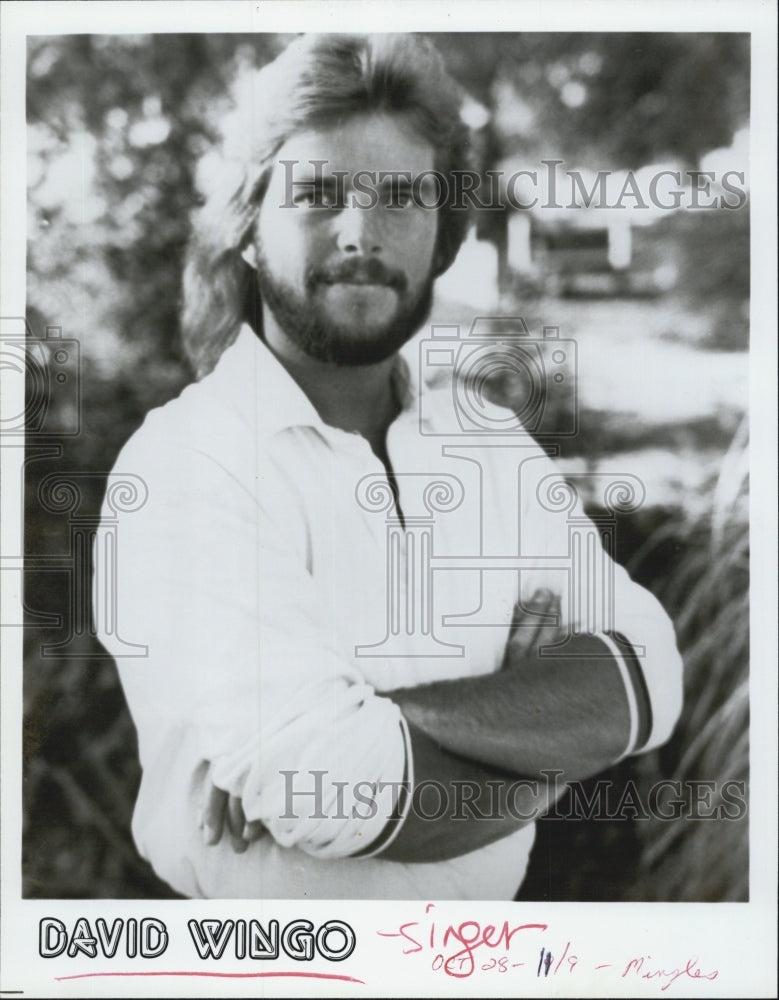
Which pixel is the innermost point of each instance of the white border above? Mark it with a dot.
(740, 940)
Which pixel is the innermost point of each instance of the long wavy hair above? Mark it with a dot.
(317, 81)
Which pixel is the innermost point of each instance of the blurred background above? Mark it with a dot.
(657, 301)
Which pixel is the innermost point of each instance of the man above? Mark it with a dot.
(285, 749)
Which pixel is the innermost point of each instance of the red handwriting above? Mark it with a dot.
(461, 949)
(456, 946)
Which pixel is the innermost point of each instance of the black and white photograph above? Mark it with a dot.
(388, 549)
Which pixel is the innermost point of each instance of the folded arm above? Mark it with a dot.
(569, 713)
(299, 705)
(564, 706)
(549, 720)
(489, 754)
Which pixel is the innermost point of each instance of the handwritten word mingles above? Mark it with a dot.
(643, 968)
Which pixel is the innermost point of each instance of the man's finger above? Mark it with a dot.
(253, 831)
(236, 821)
(535, 624)
(235, 815)
(212, 815)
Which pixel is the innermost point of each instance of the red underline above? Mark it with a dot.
(222, 975)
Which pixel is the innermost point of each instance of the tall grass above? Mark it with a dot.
(707, 595)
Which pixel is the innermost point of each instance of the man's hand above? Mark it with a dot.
(537, 714)
(564, 710)
(219, 806)
(533, 627)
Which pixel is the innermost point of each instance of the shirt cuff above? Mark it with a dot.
(402, 806)
(639, 703)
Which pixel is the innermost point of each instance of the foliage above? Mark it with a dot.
(116, 124)
(715, 259)
(612, 100)
(680, 859)
(709, 592)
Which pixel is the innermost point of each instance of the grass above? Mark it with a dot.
(708, 594)
(699, 569)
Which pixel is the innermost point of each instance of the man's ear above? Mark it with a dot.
(249, 254)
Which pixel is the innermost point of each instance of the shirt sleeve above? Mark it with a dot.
(240, 650)
(598, 597)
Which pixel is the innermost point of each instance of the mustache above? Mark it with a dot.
(358, 271)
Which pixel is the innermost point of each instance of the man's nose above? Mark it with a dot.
(359, 230)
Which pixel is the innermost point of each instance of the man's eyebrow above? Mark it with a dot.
(317, 181)
(305, 183)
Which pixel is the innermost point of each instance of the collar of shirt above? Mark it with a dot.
(280, 403)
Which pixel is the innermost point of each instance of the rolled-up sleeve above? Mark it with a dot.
(599, 597)
(644, 644)
(241, 656)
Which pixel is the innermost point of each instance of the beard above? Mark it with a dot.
(307, 324)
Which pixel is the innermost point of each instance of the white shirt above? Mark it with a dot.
(261, 581)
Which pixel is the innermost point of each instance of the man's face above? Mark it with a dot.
(346, 271)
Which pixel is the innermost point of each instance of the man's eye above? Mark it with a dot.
(398, 199)
(316, 199)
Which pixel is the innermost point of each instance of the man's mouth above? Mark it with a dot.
(372, 273)
(357, 280)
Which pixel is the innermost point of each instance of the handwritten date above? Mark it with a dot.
(462, 949)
